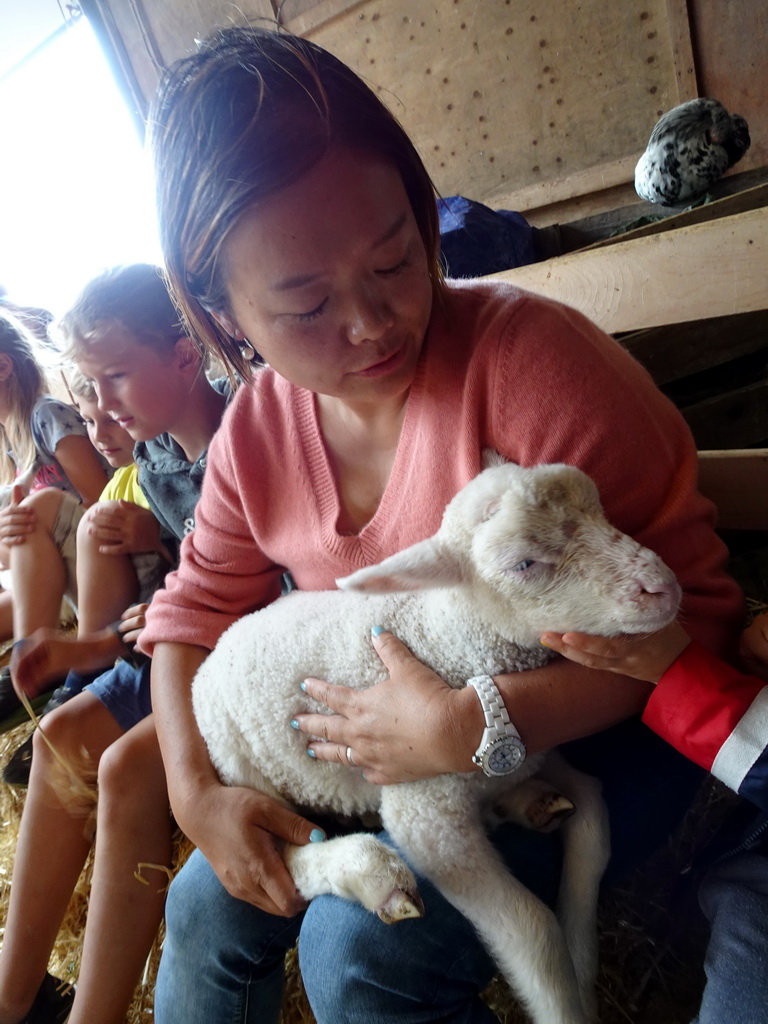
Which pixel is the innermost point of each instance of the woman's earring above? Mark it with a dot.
(247, 351)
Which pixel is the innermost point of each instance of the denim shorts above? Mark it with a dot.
(124, 692)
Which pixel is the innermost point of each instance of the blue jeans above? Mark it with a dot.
(734, 898)
(222, 959)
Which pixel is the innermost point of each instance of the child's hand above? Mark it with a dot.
(641, 657)
(122, 528)
(753, 646)
(132, 621)
(16, 520)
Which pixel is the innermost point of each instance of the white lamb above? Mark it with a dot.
(518, 551)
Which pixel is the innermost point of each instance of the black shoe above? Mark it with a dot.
(12, 711)
(16, 772)
(52, 1002)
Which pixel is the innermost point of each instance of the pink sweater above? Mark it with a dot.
(499, 368)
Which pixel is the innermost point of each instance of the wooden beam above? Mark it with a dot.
(713, 269)
(749, 199)
(735, 419)
(675, 351)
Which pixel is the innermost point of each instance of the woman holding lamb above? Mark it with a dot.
(298, 221)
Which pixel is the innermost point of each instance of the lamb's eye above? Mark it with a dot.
(522, 566)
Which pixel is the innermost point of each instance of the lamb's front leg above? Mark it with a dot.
(357, 867)
(437, 825)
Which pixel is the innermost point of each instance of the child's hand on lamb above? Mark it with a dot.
(753, 647)
(402, 729)
(641, 657)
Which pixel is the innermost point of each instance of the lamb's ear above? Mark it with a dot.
(423, 566)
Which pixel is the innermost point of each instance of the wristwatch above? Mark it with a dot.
(501, 750)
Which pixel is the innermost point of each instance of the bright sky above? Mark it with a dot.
(75, 190)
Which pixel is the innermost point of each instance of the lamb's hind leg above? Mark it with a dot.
(357, 867)
(533, 804)
(586, 850)
(448, 844)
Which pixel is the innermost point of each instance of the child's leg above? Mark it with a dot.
(52, 848)
(38, 566)
(106, 584)
(133, 831)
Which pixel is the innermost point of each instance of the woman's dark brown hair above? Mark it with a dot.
(248, 114)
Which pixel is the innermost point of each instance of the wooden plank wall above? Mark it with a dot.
(543, 108)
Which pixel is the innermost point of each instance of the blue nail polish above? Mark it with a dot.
(303, 686)
(311, 752)
(317, 835)
(294, 724)
(377, 630)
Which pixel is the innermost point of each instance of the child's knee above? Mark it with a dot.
(46, 505)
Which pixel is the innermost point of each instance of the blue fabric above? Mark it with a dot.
(477, 240)
(734, 898)
(125, 693)
(755, 784)
(220, 959)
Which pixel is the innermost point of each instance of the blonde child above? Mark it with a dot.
(148, 374)
(43, 448)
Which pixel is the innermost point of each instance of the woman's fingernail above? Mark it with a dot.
(310, 752)
(294, 723)
(377, 630)
(303, 686)
(316, 835)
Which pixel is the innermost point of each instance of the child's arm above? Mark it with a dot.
(77, 457)
(710, 711)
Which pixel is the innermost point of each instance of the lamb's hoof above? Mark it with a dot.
(400, 905)
(549, 811)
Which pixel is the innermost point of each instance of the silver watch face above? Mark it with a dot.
(503, 756)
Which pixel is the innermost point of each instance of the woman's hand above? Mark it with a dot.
(132, 621)
(641, 657)
(122, 528)
(753, 646)
(402, 729)
(16, 520)
(241, 833)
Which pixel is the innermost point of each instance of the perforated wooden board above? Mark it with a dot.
(505, 95)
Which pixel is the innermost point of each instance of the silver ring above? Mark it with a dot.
(349, 757)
